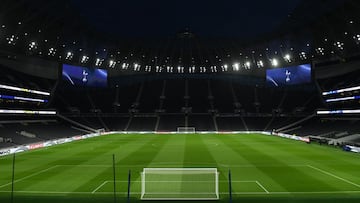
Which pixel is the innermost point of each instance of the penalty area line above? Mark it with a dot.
(262, 187)
(333, 175)
(96, 189)
(29, 176)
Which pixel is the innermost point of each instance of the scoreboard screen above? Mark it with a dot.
(84, 77)
(293, 75)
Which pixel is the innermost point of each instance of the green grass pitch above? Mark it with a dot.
(264, 168)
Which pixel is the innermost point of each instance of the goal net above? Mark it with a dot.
(180, 184)
(186, 130)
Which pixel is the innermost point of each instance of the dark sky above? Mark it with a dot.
(162, 18)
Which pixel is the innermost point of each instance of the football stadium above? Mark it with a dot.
(179, 101)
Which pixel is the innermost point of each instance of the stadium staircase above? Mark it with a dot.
(76, 123)
(295, 123)
(346, 139)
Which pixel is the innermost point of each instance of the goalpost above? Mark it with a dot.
(186, 130)
(180, 184)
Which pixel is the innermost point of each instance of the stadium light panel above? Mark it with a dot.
(320, 51)
(274, 62)
(357, 38)
(19, 89)
(355, 111)
(287, 58)
(12, 40)
(350, 89)
(148, 68)
(98, 62)
(247, 65)
(136, 67)
(52, 52)
(339, 45)
(303, 56)
(9, 97)
(32, 46)
(260, 64)
(236, 66)
(84, 59)
(69, 55)
(7, 111)
(224, 68)
(112, 64)
(343, 99)
(125, 66)
(214, 69)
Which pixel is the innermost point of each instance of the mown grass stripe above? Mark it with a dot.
(279, 165)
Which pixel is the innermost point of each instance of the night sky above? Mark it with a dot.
(164, 18)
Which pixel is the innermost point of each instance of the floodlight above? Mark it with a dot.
(32, 46)
(303, 56)
(339, 45)
(247, 65)
(99, 62)
(260, 64)
(12, 40)
(69, 55)
(236, 66)
(357, 38)
(274, 62)
(112, 64)
(84, 59)
(287, 58)
(52, 52)
(320, 51)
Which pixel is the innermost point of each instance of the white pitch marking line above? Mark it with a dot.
(180, 181)
(96, 189)
(335, 176)
(259, 184)
(170, 164)
(288, 193)
(185, 193)
(238, 193)
(29, 176)
(46, 192)
(84, 165)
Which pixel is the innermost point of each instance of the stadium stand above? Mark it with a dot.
(201, 86)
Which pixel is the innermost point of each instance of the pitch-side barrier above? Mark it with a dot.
(49, 143)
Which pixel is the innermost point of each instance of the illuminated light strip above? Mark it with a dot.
(5, 111)
(22, 98)
(338, 112)
(343, 99)
(7, 87)
(341, 90)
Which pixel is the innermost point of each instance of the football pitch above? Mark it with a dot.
(263, 169)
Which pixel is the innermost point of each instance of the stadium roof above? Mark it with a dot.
(181, 33)
(163, 18)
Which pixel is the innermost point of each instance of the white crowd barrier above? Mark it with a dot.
(27, 147)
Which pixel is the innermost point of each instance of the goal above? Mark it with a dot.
(179, 184)
(186, 130)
